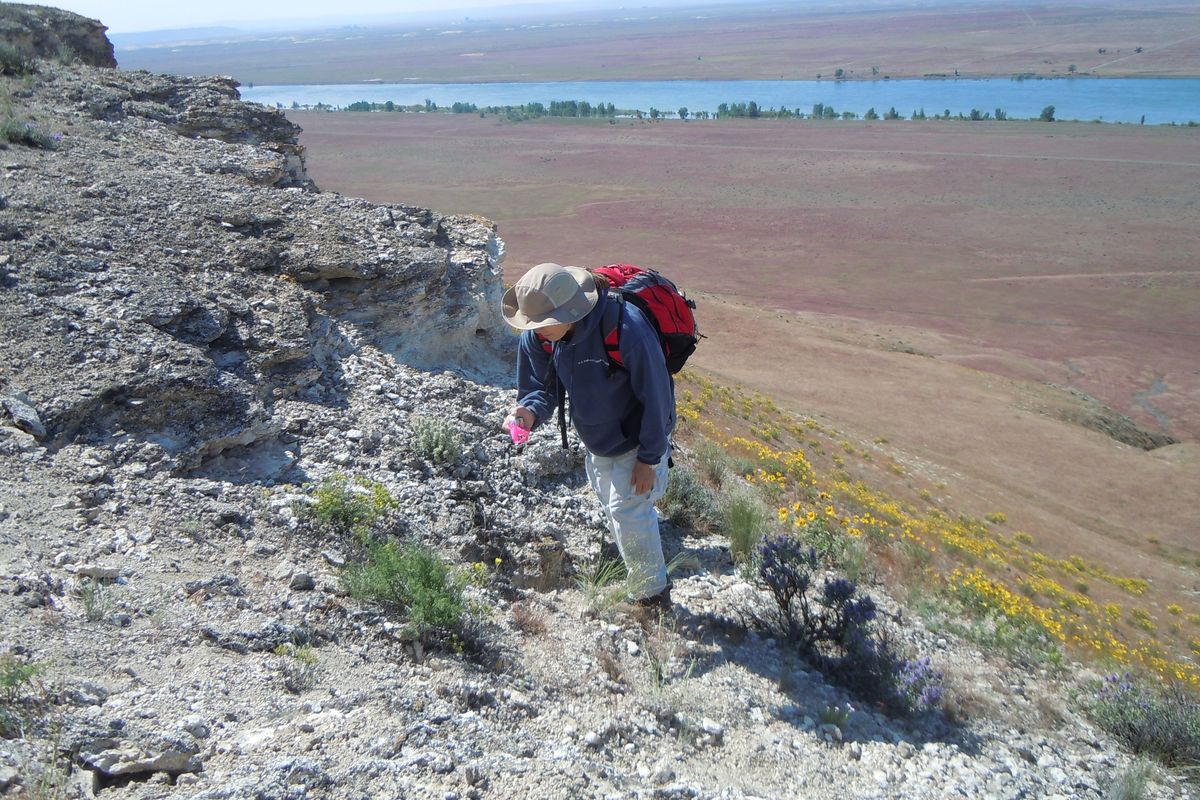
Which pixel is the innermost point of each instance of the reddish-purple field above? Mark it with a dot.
(1061, 253)
(932, 286)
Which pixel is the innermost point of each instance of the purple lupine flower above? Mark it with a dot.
(838, 591)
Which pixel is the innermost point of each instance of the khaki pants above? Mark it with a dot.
(632, 518)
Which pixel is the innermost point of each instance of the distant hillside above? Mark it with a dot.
(732, 41)
(132, 41)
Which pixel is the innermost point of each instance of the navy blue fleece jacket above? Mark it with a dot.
(614, 410)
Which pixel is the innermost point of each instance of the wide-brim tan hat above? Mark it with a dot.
(549, 294)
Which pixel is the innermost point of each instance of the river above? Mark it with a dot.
(1152, 100)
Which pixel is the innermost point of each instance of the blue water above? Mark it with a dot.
(1160, 100)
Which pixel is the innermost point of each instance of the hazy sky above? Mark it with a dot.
(128, 16)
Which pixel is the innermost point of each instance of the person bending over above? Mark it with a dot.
(624, 415)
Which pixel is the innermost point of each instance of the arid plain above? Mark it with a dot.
(947, 287)
(733, 41)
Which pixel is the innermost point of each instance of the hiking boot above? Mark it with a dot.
(656, 602)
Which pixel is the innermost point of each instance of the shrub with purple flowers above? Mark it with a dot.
(834, 630)
(1163, 723)
(920, 684)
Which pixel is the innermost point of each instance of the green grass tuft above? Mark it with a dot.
(744, 520)
(299, 668)
(16, 683)
(96, 602)
(604, 585)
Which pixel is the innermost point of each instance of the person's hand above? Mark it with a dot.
(643, 477)
(523, 416)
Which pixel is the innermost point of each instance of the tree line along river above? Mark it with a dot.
(1131, 100)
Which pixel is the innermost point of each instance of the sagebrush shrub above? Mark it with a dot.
(1130, 784)
(833, 630)
(713, 462)
(436, 439)
(15, 62)
(688, 502)
(26, 133)
(1161, 723)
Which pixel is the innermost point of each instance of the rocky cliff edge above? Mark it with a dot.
(54, 34)
(170, 274)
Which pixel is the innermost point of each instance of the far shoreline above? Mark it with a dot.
(1109, 100)
(417, 82)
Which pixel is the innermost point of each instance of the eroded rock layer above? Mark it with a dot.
(169, 272)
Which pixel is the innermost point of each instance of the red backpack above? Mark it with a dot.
(660, 302)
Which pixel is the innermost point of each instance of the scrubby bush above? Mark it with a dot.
(345, 507)
(15, 62)
(688, 502)
(26, 133)
(529, 618)
(713, 462)
(1161, 723)
(833, 629)
(409, 579)
(833, 715)
(436, 439)
(16, 681)
(413, 580)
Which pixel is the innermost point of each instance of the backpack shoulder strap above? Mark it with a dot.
(612, 336)
(560, 392)
(562, 412)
